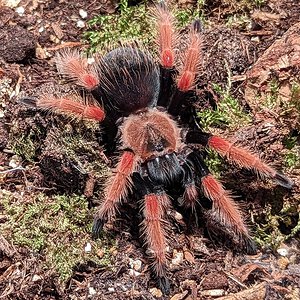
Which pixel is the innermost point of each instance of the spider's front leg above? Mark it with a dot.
(116, 189)
(242, 157)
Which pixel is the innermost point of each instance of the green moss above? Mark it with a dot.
(268, 231)
(57, 227)
(25, 145)
(130, 23)
(229, 112)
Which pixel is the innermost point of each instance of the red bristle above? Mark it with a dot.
(191, 63)
(222, 202)
(69, 106)
(117, 186)
(166, 36)
(154, 231)
(90, 81)
(240, 156)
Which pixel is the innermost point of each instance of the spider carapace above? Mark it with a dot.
(145, 107)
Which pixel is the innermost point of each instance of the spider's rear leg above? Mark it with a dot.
(224, 210)
(71, 105)
(116, 189)
(242, 157)
(155, 203)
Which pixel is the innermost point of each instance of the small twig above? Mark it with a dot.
(235, 279)
(19, 168)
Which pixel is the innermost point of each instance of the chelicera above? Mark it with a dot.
(145, 106)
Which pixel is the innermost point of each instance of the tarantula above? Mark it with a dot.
(146, 105)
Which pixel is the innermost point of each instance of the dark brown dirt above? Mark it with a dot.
(207, 267)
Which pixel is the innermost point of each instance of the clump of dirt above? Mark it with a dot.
(17, 44)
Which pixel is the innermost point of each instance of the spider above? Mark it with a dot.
(145, 106)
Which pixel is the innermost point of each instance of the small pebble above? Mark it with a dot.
(178, 216)
(20, 10)
(41, 29)
(213, 293)
(11, 3)
(282, 251)
(88, 247)
(83, 14)
(36, 277)
(177, 257)
(283, 262)
(92, 291)
(100, 253)
(156, 292)
(14, 162)
(135, 264)
(111, 289)
(80, 24)
(134, 273)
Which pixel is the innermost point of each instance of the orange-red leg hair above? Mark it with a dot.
(165, 35)
(73, 65)
(70, 107)
(154, 230)
(116, 189)
(246, 159)
(227, 211)
(192, 60)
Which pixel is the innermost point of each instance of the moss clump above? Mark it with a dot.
(57, 227)
(278, 227)
(130, 23)
(229, 113)
(26, 145)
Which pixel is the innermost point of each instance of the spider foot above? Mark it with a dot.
(283, 180)
(97, 227)
(249, 246)
(29, 101)
(163, 284)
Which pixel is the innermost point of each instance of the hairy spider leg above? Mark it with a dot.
(166, 35)
(155, 203)
(67, 105)
(116, 189)
(224, 210)
(190, 194)
(187, 75)
(242, 157)
(166, 40)
(74, 66)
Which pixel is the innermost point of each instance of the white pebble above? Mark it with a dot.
(92, 291)
(88, 247)
(135, 264)
(11, 3)
(36, 277)
(177, 258)
(41, 29)
(111, 289)
(134, 273)
(83, 14)
(20, 10)
(80, 24)
(13, 163)
(282, 251)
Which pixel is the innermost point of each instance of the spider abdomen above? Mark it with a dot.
(130, 80)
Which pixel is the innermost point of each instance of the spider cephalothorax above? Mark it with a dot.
(145, 108)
